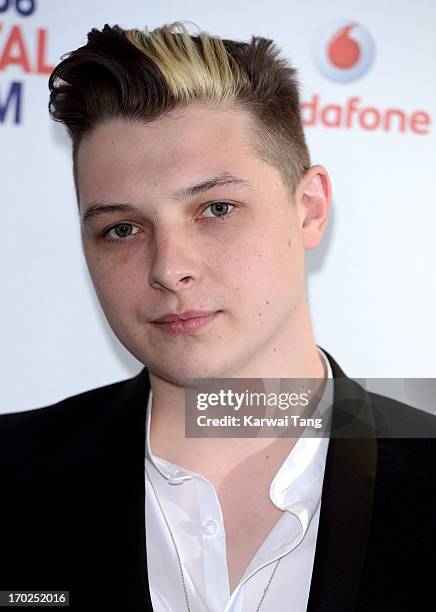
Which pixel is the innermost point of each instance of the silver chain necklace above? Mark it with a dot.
(188, 606)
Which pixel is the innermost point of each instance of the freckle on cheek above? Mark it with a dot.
(289, 242)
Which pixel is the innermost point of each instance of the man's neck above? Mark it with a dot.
(221, 455)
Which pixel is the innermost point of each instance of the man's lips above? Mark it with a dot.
(189, 324)
(184, 316)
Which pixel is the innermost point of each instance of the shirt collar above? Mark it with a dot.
(297, 485)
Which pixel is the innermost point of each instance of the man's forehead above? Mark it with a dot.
(162, 144)
(180, 120)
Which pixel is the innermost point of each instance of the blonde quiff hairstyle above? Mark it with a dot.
(213, 77)
(141, 76)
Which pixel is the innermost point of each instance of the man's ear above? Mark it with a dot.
(313, 199)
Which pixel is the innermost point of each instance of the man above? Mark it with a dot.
(197, 202)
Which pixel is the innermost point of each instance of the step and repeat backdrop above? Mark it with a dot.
(368, 90)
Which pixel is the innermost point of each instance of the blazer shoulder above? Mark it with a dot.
(67, 406)
(395, 419)
(406, 451)
(59, 424)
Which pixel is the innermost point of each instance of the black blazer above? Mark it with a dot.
(72, 505)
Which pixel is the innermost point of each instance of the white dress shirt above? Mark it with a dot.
(193, 511)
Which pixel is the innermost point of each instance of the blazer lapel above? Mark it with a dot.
(346, 502)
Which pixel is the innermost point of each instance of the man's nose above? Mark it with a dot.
(174, 265)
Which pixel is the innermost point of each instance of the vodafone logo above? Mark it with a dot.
(344, 51)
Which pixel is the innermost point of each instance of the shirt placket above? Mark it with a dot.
(212, 534)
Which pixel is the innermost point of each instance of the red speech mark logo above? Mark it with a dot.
(344, 51)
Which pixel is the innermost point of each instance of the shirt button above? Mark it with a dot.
(176, 476)
(209, 527)
(177, 473)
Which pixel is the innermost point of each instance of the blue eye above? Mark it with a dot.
(222, 208)
(125, 230)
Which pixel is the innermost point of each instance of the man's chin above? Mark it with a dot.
(181, 374)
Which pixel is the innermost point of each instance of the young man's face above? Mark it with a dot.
(169, 254)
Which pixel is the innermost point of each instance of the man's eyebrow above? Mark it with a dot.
(214, 181)
(96, 210)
